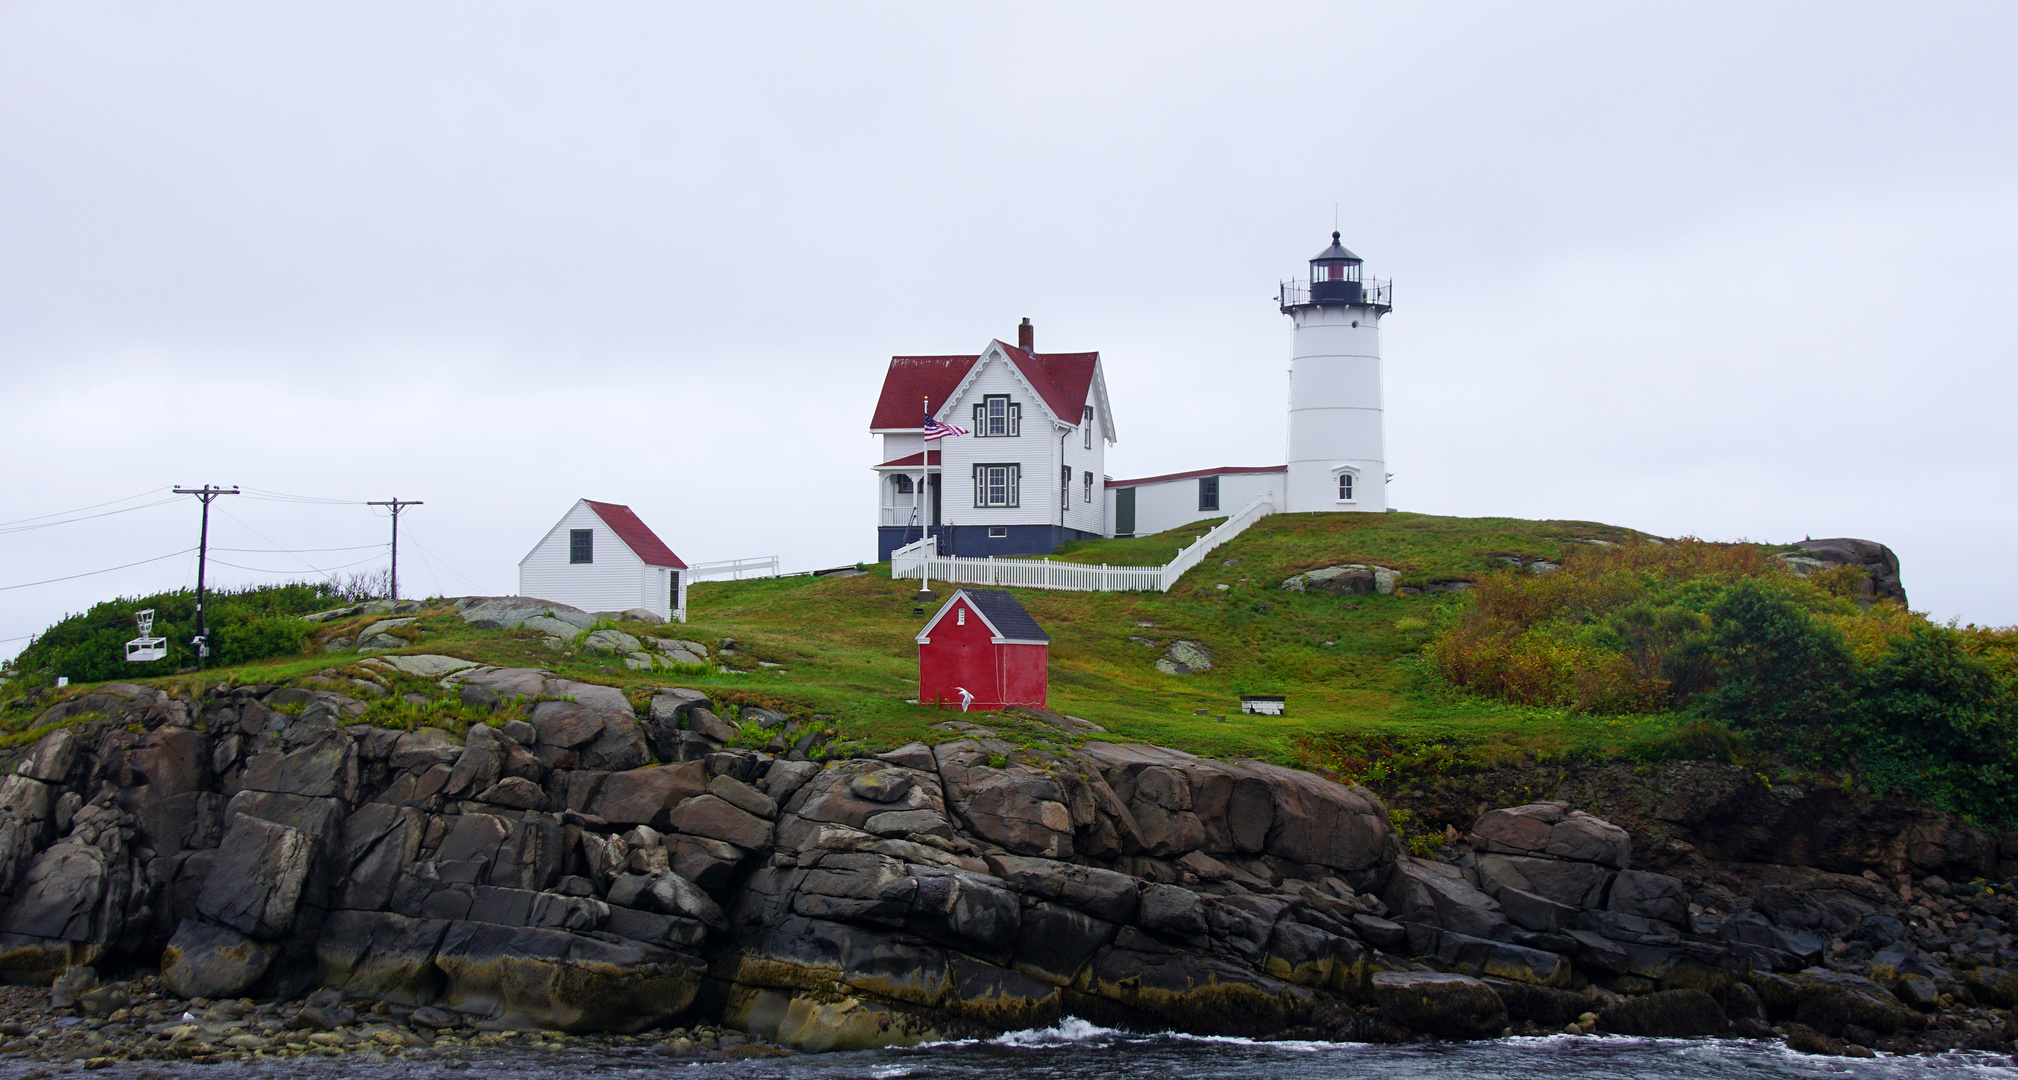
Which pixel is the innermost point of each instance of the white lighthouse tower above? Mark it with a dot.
(1337, 452)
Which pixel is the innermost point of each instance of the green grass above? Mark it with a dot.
(1349, 666)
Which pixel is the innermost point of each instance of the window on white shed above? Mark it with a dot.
(581, 545)
(1208, 493)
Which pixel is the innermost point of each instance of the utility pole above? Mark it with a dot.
(397, 505)
(205, 493)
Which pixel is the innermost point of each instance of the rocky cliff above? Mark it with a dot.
(592, 862)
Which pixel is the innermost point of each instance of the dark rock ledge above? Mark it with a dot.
(383, 891)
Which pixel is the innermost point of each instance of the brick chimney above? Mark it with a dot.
(1026, 337)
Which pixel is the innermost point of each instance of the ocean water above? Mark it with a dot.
(1075, 1050)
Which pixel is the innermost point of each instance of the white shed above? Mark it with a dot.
(600, 557)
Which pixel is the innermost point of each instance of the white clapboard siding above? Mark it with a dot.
(616, 581)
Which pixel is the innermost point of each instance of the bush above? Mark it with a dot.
(1779, 667)
(249, 624)
(1940, 723)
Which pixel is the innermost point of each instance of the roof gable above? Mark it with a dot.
(1004, 616)
(1065, 382)
(636, 535)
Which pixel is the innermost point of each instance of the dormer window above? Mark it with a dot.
(997, 416)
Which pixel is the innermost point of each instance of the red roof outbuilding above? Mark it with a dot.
(636, 534)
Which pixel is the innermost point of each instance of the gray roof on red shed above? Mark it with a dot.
(1006, 615)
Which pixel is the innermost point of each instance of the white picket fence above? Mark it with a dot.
(761, 566)
(921, 559)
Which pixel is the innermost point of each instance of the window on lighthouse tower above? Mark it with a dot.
(1345, 487)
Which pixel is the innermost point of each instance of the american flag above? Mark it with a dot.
(936, 430)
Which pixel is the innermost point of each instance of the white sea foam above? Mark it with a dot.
(1067, 1031)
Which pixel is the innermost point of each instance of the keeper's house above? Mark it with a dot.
(1027, 476)
(601, 557)
(984, 643)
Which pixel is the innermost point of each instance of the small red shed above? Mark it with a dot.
(983, 641)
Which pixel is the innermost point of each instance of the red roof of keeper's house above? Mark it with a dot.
(636, 534)
(1225, 470)
(1063, 380)
(910, 461)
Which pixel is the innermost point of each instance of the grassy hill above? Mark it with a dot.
(1631, 647)
(1349, 666)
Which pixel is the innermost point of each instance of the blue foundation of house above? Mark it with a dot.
(974, 541)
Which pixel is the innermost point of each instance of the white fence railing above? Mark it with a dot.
(921, 559)
(762, 566)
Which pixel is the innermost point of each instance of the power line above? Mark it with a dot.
(278, 548)
(280, 496)
(81, 509)
(20, 528)
(268, 570)
(94, 573)
(450, 567)
(293, 551)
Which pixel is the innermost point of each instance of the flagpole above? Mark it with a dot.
(924, 510)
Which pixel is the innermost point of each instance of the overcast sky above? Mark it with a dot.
(1738, 271)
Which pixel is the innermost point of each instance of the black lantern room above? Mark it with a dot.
(1334, 275)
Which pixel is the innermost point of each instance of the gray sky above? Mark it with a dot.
(1738, 271)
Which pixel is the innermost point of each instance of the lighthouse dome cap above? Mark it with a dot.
(1336, 252)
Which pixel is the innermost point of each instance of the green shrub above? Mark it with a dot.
(1940, 723)
(249, 624)
(1781, 669)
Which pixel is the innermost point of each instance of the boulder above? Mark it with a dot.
(540, 979)
(743, 796)
(1440, 1003)
(506, 612)
(1880, 565)
(206, 960)
(1667, 1014)
(647, 796)
(1502, 960)
(1172, 909)
(53, 759)
(1569, 884)
(60, 894)
(1650, 896)
(1347, 579)
(883, 785)
(1830, 1001)
(566, 723)
(967, 911)
(718, 819)
(416, 750)
(1419, 890)
(611, 641)
(1552, 830)
(1018, 807)
(1185, 658)
(1105, 894)
(256, 883)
